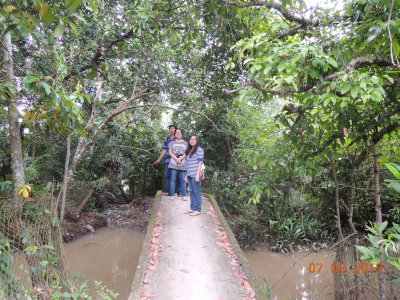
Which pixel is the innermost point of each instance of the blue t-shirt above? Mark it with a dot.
(166, 147)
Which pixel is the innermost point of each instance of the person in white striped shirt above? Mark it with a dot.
(194, 159)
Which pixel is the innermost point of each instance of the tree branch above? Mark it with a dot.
(131, 147)
(100, 53)
(375, 139)
(192, 110)
(289, 15)
(354, 64)
(375, 125)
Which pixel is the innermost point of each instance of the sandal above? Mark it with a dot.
(195, 213)
(172, 198)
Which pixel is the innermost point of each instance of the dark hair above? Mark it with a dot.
(192, 150)
(170, 126)
(179, 129)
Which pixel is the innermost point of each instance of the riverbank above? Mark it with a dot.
(134, 216)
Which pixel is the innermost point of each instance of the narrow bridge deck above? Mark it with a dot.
(190, 257)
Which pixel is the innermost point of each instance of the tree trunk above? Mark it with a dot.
(144, 180)
(14, 126)
(65, 185)
(127, 200)
(337, 202)
(377, 188)
(88, 195)
(378, 211)
(352, 199)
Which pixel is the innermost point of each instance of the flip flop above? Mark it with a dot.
(195, 213)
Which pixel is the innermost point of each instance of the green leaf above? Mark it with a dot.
(354, 91)
(382, 226)
(9, 8)
(59, 30)
(396, 226)
(366, 251)
(31, 18)
(49, 18)
(332, 61)
(281, 66)
(344, 89)
(10, 87)
(74, 28)
(375, 261)
(93, 5)
(54, 221)
(394, 168)
(43, 10)
(390, 79)
(44, 263)
(50, 247)
(72, 5)
(66, 295)
(396, 47)
(30, 79)
(31, 249)
(46, 87)
(395, 186)
(394, 264)
(267, 290)
(374, 239)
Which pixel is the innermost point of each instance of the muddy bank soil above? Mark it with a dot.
(134, 215)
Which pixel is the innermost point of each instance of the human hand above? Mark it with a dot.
(157, 162)
(197, 178)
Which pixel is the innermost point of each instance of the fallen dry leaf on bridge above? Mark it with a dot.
(225, 246)
(152, 260)
(246, 286)
(184, 271)
(145, 294)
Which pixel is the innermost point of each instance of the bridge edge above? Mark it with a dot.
(141, 267)
(260, 294)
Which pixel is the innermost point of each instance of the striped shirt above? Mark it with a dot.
(194, 161)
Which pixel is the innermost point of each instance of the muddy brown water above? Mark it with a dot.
(289, 277)
(110, 256)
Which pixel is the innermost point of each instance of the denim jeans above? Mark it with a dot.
(195, 194)
(168, 181)
(181, 174)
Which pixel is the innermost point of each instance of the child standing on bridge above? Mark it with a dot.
(194, 157)
(178, 164)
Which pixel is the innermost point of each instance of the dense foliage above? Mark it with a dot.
(297, 106)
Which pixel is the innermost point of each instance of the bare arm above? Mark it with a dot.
(178, 159)
(161, 156)
(199, 166)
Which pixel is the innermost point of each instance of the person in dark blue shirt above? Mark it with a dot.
(165, 151)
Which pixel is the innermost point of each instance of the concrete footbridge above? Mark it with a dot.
(191, 257)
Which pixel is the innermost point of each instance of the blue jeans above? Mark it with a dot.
(195, 194)
(181, 174)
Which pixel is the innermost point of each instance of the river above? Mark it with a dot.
(112, 253)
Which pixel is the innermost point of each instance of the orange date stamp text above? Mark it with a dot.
(356, 268)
